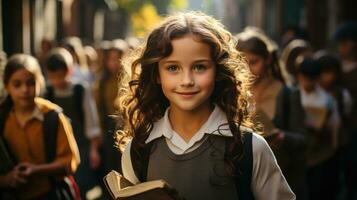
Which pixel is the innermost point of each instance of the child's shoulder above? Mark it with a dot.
(45, 105)
(259, 144)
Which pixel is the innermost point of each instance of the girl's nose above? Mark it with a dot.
(187, 79)
(25, 88)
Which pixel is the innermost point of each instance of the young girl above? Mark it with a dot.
(280, 105)
(22, 116)
(290, 56)
(188, 100)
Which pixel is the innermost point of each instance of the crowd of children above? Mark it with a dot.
(214, 114)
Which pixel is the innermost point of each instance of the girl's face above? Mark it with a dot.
(187, 76)
(256, 63)
(22, 88)
(306, 83)
(113, 61)
(327, 79)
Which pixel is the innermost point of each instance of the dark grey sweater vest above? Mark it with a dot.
(200, 174)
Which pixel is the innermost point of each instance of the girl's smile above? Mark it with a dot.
(187, 94)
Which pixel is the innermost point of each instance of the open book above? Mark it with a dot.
(121, 188)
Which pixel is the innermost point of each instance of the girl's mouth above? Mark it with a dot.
(187, 94)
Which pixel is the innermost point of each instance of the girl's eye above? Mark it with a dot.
(253, 61)
(172, 68)
(31, 82)
(16, 84)
(200, 67)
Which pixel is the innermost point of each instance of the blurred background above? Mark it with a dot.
(25, 23)
(98, 33)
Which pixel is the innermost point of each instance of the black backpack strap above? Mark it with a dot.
(140, 159)
(286, 105)
(5, 109)
(49, 93)
(244, 168)
(50, 127)
(78, 97)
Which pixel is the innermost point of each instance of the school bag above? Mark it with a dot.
(78, 95)
(65, 189)
(244, 166)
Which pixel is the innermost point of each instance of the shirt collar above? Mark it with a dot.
(217, 124)
(37, 114)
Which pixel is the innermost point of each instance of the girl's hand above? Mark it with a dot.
(26, 169)
(94, 158)
(14, 178)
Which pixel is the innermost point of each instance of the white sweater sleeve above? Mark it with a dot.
(268, 181)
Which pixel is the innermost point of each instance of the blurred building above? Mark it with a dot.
(25, 23)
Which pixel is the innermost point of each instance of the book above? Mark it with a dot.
(315, 117)
(120, 188)
(7, 163)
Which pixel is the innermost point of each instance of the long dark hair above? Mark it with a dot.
(142, 101)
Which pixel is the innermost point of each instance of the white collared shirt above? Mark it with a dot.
(177, 144)
(268, 181)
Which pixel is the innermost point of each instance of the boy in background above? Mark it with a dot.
(78, 104)
(322, 123)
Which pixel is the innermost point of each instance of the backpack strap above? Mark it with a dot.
(140, 160)
(286, 105)
(49, 93)
(6, 154)
(244, 167)
(78, 94)
(50, 127)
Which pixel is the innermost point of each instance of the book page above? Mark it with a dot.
(121, 188)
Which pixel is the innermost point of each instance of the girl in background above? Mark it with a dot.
(290, 55)
(278, 108)
(22, 115)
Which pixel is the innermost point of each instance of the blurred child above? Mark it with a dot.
(295, 49)
(346, 38)
(80, 71)
(322, 122)
(281, 106)
(330, 80)
(93, 62)
(22, 117)
(105, 92)
(78, 104)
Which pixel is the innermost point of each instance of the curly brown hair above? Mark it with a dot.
(141, 100)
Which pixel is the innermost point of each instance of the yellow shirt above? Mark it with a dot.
(27, 145)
